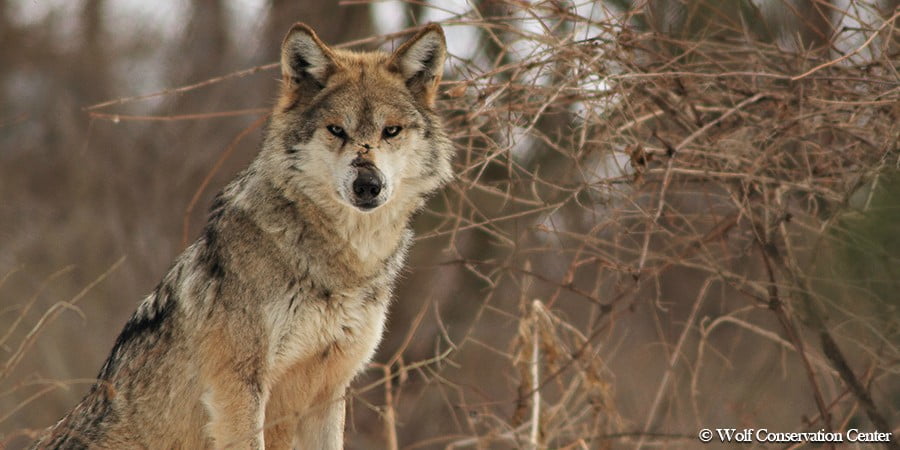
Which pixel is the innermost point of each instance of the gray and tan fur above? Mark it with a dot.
(255, 332)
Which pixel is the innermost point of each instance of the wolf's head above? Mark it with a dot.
(357, 130)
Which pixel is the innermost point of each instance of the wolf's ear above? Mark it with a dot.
(304, 58)
(421, 62)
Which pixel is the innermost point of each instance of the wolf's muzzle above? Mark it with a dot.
(367, 186)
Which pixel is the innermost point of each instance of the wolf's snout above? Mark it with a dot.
(367, 186)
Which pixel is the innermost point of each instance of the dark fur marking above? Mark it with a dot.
(142, 326)
(101, 409)
(67, 442)
(305, 112)
(211, 255)
(301, 75)
(217, 207)
(305, 86)
(304, 127)
(329, 349)
(428, 62)
(367, 119)
(433, 154)
(298, 63)
(367, 111)
(426, 117)
(431, 162)
(301, 234)
(80, 435)
(252, 379)
(420, 81)
(322, 101)
(214, 263)
(300, 134)
(294, 102)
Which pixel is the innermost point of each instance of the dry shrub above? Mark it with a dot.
(671, 183)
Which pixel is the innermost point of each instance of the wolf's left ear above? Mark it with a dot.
(305, 60)
(421, 62)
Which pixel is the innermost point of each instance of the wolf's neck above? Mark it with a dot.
(373, 236)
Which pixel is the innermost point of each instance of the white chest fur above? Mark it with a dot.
(334, 336)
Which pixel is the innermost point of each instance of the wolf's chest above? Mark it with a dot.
(336, 331)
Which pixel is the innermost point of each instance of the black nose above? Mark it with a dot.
(367, 186)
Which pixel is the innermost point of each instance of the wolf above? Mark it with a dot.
(255, 332)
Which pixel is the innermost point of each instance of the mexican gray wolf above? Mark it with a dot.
(254, 334)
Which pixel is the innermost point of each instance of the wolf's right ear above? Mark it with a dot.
(305, 59)
(421, 62)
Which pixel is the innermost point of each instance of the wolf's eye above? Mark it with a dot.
(336, 130)
(390, 132)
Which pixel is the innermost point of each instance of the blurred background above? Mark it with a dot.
(668, 215)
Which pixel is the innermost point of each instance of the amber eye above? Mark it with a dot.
(390, 132)
(336, 130)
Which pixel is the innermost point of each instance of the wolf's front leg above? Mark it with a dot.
(323, 426)
(236, 412)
